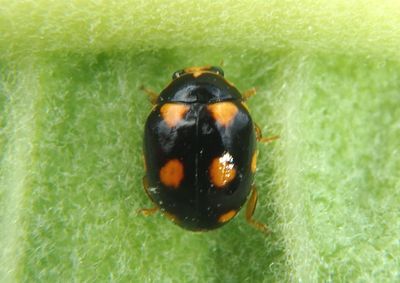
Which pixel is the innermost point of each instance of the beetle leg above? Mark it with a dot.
(147, 211)
(259, 136)
(249, 93)
(153, 96)
(251, 206)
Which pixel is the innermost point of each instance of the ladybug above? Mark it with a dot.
(200, 151)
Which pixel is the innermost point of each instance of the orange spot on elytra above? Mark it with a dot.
(172, 113)
(171, 174)
(223, 112)
(254, 161)
(226, 216)
(222, 170)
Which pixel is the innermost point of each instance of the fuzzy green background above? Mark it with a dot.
(71, 123)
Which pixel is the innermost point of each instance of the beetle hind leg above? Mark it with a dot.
(147, 211)
(251, 206)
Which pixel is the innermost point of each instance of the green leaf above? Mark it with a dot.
(71, 124)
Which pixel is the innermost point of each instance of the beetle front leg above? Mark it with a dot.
(249, 93)
(153, 96)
